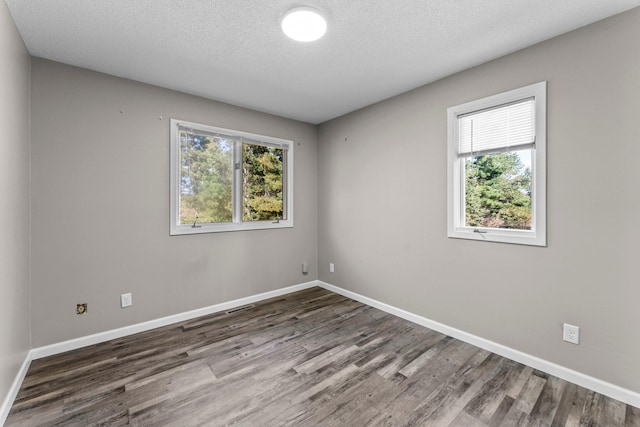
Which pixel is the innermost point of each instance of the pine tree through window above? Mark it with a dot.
(226, 180)
(496, 170)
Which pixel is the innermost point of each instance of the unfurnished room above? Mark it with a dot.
(319, 213)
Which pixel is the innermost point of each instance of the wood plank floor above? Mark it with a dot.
(310, 358)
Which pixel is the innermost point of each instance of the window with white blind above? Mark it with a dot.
(497, 167)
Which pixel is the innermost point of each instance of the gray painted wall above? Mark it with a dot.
(100, 209)
(100, 157)
(382, 211)
(14, 194)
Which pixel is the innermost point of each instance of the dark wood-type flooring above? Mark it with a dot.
(310, 358)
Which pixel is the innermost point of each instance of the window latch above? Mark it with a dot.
(194, 223)
(277, 221)
(477, 230)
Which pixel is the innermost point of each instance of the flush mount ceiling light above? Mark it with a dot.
(304, 24)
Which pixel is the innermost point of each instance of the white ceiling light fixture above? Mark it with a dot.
(304, 24)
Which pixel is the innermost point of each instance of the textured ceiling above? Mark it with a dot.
(234, 51)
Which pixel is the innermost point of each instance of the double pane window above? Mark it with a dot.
(225, 180)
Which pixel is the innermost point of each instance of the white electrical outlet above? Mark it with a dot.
(126, 300)
(332, 268)
(571, 333)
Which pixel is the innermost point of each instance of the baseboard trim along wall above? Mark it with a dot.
(57, 348)
(595, 384)
(15, 387)
(73, 344)
(603, 387)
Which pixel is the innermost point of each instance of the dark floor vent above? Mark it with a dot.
(243, 308)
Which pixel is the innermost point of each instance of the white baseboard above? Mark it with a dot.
(595, 384)
(15, 387)
(608, 389)
(76, 343)
(50, 350)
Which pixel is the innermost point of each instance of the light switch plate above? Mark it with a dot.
(126, 300)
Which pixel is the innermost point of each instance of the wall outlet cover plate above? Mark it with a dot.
(571, 333)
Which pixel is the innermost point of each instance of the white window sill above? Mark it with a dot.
(519, 237)
(227, 227)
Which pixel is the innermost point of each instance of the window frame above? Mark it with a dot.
(237, 223)
(537, 236)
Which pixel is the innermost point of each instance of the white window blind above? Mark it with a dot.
(504, 128)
